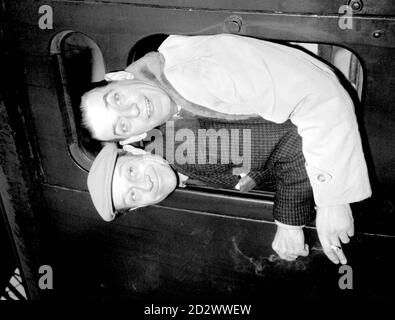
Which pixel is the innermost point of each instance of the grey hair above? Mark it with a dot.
(84, 117)
(84, 107)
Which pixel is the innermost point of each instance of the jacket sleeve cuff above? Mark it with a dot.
(330, 209)
(287, 226)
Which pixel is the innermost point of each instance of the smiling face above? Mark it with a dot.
(140, 181)
(125, 108)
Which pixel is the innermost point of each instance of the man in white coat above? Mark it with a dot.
(233, 77)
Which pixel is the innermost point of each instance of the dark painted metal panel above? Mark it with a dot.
(369, 7)
(122, 21)
(168, 253)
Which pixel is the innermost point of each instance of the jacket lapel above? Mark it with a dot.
(150, 69)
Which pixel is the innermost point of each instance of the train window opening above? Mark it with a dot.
(80, 64)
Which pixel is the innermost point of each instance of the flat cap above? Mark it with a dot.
(100, 181)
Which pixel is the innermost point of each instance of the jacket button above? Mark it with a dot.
(321, 178)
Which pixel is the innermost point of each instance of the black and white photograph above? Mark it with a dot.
(196, 158)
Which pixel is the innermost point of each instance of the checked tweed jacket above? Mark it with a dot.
(276, 161)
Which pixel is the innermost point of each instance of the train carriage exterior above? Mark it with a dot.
(201, 242)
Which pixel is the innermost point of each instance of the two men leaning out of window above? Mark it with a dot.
(314, 154)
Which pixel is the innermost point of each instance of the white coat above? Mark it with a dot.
(240, 75)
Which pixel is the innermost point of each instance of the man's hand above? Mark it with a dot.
(334, 224)
(289, 242)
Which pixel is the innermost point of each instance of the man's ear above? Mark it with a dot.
(132, 209)
(133, 139)
(133, 150)
(119, 75)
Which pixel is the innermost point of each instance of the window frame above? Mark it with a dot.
(76, 150)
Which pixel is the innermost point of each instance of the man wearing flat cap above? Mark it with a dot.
(274, 163)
